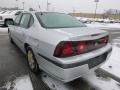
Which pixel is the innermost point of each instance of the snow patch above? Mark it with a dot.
(90, 81)
(113, 63)
(101, 83)
(3, 29)
(108, 26)
(21, 83)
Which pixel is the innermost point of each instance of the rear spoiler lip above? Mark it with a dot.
(95, 34)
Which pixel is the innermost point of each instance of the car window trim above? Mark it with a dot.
(28, 22)
(39, 20)
(19, 20)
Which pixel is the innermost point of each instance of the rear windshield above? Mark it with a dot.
(58, 20)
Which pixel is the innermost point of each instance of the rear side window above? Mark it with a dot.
(25, 20)
(31, 21)
(17, 20)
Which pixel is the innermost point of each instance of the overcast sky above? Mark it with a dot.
(65, 5)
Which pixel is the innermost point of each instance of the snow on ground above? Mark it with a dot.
(108, 26)
(116, 41)
(114, 25)
(3, 29)
(113, 64)
(21, 83)
(101, 83)
(90, 81)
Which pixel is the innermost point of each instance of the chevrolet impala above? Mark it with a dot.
(59, 44)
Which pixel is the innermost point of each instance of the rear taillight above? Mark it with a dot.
(67, 49)
(81, 47)
(71, 48)
(64, 49)
(105, 39)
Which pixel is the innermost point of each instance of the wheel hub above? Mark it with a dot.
(31, 60)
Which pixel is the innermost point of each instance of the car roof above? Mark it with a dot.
(33, 12)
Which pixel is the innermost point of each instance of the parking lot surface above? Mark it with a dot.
(13, 63)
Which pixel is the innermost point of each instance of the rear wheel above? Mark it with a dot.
(32, 61)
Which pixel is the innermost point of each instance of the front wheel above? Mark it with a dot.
(8, 22)
(32, 61)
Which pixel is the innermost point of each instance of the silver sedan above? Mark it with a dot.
(59, 44)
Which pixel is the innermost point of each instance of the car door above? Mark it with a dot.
(23, 29)
(13, 28)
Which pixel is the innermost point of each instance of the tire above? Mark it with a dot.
(33, 65)
(7, 22)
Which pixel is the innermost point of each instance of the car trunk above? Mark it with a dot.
(83, 33)
(82, 40)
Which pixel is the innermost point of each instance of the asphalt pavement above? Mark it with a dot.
(13, 64)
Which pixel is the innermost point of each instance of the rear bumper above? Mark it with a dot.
(1, 22)
(69, 72)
